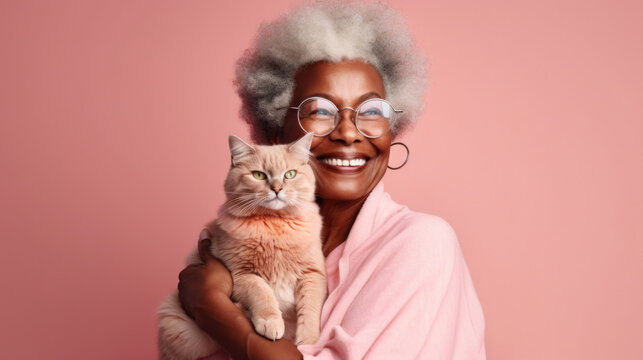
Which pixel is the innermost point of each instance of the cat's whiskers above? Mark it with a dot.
(245, 205)
(242, 203)
(250, 208)
(242, 206)
(297, 204)
(239, 199)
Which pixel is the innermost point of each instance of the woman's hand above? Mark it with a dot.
(202, 286)
(204, 291)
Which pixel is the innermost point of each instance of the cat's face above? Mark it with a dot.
(274, 178)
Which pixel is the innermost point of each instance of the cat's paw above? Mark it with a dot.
(271, 327)
(306, 335)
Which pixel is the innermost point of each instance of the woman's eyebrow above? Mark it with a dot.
(362, 98)
(369, 95)
(323, 95)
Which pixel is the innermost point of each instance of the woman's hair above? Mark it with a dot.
(328, 31)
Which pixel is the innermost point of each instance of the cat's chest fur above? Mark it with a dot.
(268, 245)
(278, 249)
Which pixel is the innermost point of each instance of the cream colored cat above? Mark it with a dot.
(268, 236)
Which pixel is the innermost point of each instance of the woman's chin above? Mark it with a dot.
(340, 183)
(341, 187)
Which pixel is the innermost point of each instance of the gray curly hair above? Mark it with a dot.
(328, 31)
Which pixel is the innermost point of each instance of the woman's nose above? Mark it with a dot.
(345, 130)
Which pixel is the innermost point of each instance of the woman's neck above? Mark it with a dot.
(339, 217)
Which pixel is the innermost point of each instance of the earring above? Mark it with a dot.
(408, 152)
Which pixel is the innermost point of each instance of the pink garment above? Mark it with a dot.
(399, 288)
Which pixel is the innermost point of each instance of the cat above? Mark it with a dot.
(268, 236)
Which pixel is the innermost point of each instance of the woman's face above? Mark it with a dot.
(347, 84)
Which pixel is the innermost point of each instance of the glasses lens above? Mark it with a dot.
(318, 116)
(374, 117)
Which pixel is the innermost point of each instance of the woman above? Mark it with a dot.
(398, 284)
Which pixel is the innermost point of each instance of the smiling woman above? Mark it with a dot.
(397, 281)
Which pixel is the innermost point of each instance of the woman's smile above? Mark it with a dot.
(344, 162)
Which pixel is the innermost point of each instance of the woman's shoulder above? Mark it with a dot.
(400, 222)
(428, 224)
(421, 230)
(403, 237)
(417, 241)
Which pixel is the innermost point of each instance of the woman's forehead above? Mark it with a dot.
(346, 83)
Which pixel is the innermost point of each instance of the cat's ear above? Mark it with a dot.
(239, 149)
(301, 147)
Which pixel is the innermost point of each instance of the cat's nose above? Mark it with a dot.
(276, 189)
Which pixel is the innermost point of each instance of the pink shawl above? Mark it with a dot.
(399, 288)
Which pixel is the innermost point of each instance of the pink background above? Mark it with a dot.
(114, 116)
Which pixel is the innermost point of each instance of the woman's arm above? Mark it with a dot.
(204, 291)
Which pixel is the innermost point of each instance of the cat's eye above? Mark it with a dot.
(259, 175)
(290, 174)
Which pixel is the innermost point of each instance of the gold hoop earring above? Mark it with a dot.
(408, 153)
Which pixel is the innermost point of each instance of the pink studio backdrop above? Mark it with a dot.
(113, 125)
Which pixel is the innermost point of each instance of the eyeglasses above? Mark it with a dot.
(373, 118)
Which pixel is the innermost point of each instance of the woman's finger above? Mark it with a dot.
(205, 234)
(204, 247)
(185, 273)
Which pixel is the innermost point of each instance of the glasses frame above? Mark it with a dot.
(338, 116)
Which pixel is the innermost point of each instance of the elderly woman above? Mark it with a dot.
(398, 284)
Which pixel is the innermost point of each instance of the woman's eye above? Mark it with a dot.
(320, 112)
(371, 112)
(290, 174)
(259, 175)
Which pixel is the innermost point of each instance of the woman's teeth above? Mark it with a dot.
(341, 162)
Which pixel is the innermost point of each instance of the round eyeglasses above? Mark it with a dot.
(320, 116)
